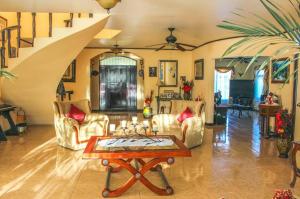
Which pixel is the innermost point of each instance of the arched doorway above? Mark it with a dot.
(116, 82)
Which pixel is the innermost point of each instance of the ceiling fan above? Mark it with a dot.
(116, 49)
(171, 42)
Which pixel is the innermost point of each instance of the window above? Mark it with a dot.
(258, 86)
(222, 83)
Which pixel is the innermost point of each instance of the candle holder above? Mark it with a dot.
(135, 128)
(135, 123)
(124, 126)
(145, 129)
(155, 131)
(124, 130)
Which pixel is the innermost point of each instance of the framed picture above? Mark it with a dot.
(70, 73)
(3, 24)
(199, 69)
(284, 73)
(168, 70)
(152, 71)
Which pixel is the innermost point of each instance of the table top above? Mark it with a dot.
(92, 151)
(269, 105)
(223, 106)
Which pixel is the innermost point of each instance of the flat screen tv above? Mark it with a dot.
(241, 88)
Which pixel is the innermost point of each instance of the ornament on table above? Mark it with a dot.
(269, 98)
(187, 87)
(147, 105)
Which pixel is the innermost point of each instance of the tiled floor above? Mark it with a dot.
(235, 164)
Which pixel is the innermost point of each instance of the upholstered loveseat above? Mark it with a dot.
(72, 134)
(191, 130)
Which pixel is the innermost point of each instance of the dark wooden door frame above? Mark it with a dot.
(295, 88)
(136, 99)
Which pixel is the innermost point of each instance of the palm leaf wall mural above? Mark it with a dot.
(282, 33)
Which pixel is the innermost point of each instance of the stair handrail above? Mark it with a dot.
(5, 35)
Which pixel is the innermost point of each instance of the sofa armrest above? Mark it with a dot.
(165, 121)
(65, 128)
(193, 131)
(193, 122)
(69, 121)
(95, 116)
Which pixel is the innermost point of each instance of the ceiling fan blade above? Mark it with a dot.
(180, 47)
(155, 45)
(192, 46)
(160, 47)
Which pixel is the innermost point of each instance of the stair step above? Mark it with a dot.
(57, 34)
(26, 42)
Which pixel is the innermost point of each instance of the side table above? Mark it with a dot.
(4, 111)
(266, 111)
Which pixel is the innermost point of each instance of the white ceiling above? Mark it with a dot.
(145, 22)
(50, 6)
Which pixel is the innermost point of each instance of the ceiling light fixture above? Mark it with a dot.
(108, 4)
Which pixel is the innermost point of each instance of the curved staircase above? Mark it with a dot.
(40, 68)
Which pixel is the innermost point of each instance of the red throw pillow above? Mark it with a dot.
(76, 114)
(187, 113)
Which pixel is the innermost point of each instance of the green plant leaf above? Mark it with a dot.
(6, 74)
(258, 54)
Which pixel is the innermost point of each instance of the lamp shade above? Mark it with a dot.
(108, 4)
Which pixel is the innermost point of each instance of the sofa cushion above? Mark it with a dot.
(64, 107)
(76, 114)
(187, 113)
(179, 106)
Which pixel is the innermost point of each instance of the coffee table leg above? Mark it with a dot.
(137, 175)
(164, 179)
(118, 168)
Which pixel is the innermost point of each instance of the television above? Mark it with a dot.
(241, 88)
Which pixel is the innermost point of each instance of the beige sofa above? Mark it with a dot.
(71, 134)
(191, 131)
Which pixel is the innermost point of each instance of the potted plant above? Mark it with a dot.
(187, 87)
(6, 74)
(147, 112)
(284, 132)
(281, 33)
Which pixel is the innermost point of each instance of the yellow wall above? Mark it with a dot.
(215, 50)
(151, 58)
(203, 88)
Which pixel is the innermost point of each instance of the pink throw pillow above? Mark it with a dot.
(187, 113)
(76, 114)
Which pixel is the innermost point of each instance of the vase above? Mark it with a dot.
(147, 112)
(284, 146)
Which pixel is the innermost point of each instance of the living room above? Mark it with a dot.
(124, 79)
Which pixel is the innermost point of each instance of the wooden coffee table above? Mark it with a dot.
(124, 156)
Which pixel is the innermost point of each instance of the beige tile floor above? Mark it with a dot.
(236, 164)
